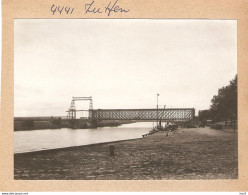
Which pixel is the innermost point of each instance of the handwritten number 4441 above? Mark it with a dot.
(90, 8)
(60, 9)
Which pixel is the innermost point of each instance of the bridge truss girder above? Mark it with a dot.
(171, 114)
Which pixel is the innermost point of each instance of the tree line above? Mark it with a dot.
(223, 105)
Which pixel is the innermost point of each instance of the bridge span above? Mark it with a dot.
(169, 114)
(165, 114)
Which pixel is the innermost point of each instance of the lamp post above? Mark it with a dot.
(164, 110)
(157, 108)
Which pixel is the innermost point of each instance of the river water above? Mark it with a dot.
(35, 140)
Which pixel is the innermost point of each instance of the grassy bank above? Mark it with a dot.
(199, 153)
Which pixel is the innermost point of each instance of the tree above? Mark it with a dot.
(204, 115)
(224, 105)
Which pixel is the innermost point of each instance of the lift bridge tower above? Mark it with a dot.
(72, 111)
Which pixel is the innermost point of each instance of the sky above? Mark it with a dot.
(121, 63)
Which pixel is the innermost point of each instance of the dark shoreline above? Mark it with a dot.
(43, 123)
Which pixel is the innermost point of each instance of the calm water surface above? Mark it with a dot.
(27, 141)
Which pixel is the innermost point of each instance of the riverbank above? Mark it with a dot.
(39, 123)
(199, 153)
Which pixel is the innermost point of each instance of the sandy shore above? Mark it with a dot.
(199, 153)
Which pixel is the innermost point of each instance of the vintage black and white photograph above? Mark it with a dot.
(125, 99)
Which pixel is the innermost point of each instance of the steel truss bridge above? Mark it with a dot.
(170, 114)
(166, 114)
